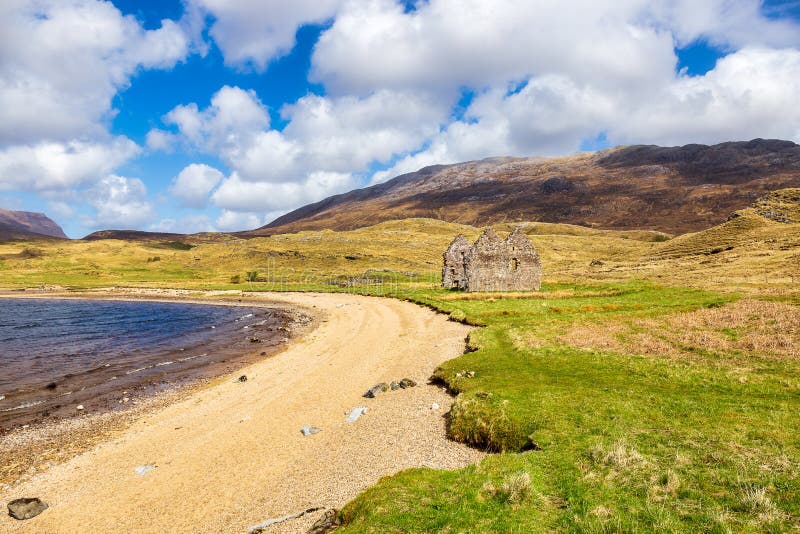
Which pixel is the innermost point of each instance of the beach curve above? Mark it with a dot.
(231, 455)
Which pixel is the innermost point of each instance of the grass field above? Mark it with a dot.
(652, 385)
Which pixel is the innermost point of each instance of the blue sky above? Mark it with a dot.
(203, 115)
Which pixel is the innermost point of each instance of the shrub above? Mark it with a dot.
(236, 279)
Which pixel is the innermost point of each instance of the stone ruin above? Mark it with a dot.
(492, 263)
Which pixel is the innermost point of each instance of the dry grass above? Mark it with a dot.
(747, 327)
(620, 455)
(514, 489)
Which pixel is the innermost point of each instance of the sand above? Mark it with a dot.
(231, 455)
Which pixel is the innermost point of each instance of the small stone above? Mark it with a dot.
(143, 469)
(2, 397)
(407, 383)
(51, 385)
(327, 523)
(26, 508)
(470, 374)
(376, 390)
(242, 378)
(435, 406)
(394, 386)
(355, 413)
(309, 430)
(263, 353)
(79, 407)
(255, 340)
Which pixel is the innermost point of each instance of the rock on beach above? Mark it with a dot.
(26, 508)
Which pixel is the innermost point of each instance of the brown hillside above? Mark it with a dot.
(26, 225)
(675, 190)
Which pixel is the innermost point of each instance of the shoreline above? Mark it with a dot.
(232, 453)
(29, 448)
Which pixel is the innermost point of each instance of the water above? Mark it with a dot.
(57, 354)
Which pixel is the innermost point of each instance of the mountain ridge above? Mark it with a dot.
(671, 189)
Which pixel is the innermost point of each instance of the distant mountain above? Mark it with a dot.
(672, 189)
(26, 224)
(132, 235)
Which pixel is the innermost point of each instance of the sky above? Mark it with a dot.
(221, 115)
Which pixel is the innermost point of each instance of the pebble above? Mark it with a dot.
(26, 508)
(435, 406)
(407, 383)
(309, 430)
(376, 390)
(79, 407)
(143, 469)
(355, 413)
(242, 378)
(2, 397)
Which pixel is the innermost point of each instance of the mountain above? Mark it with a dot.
(26, 224)
(671, 189)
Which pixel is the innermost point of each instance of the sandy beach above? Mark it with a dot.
(231, 455)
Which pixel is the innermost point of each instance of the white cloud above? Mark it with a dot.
(325, 142)
(53, 165)
(754, 92)
(252, 33)
(194, 183)
(232, 119)
(444, 44)
(235, 221)
(120, 203)
(263, 197)
(189, 224)
(160, 140)
(61, 209)
(62, 62)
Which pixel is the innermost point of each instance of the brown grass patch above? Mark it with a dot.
(503, 295)
(751, 327)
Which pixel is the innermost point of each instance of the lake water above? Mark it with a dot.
(58, 354)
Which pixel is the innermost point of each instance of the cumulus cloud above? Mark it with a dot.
(194, 183)
(325, 142)
(252, 33)
(232, 119)
(160, 140)
(61, 63)
(120, 203)
(58, 166)
(234, 221)
(754, 92)
(263, 197)
(189, 224)
(377, 44)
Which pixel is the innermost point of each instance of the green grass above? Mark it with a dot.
(625, 442)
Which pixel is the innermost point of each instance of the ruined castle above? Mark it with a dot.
(492, 263)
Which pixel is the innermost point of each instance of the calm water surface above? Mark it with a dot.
(56, 354)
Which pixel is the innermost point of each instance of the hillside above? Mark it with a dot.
(674, 190)
(26, 224)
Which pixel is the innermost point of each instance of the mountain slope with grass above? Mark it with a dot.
(671, 189)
